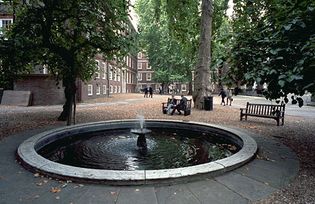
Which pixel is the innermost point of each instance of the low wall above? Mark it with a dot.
(16, 98)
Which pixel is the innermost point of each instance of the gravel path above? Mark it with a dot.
(297, 133)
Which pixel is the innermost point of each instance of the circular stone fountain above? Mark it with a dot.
(30, 151)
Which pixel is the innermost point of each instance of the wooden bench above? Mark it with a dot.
(187, 108)
(264, 110)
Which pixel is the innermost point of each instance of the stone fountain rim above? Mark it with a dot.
(30, 159)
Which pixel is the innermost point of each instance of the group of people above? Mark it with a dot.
(148, 92)
(173, 106)
(226, 94)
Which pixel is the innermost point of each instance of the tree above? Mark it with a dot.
(202, 73)
(191, 28)
(169, 59)
(66, 35)
(274, 44)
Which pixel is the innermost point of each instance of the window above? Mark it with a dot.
(139, 65)
(104, 65)
(127, 61)
(149, 76)
(149, 67)
(144, 65)
(98, 90)
(115, 89)
(111, 89)
(118, 74)
(110, 72)
(104, 89)
(97, 73)
(183, 87)
(139, 55)
(115, 74)
(90, 90)
(139, 76)
(4, 24)
(119, 89)
(128, 81)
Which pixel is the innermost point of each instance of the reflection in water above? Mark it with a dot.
(117, 150)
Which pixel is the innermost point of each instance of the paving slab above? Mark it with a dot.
(272, 173)
(245, 186)
(211, 191)
(139, 195)
(176, 194)
(253, 181)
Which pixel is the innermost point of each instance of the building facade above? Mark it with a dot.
(6, 18)
(110, 78)
(145, 74)
(146, 79)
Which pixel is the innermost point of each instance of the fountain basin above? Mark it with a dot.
(27, 153)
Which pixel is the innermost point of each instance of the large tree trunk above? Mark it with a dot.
(202, 72)
(70, 91)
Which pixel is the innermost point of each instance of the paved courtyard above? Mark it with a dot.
(282, 172)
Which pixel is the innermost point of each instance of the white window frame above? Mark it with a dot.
(111, 89)
(104, 65)
(139, 65)
(104, 89)
(110, 72)
(127, 61)
(98, 90)
(139, 76)
(118, 74)
(115, 74)
(2, 28)
(149, 76)
(90, 90)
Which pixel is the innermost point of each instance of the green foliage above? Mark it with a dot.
(275, 44)
(171, 36)
(170, 60)
(66, 35)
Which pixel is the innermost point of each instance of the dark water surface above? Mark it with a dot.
(117, 150)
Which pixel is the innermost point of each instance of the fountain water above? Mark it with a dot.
(175, 149)
(141, 132)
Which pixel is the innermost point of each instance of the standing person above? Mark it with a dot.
(181, 106)
(229, 97)
(160, 90)
(146, 92)
(223, 95)
(150, 92)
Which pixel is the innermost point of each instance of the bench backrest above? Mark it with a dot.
(265, 109)
(188, 105)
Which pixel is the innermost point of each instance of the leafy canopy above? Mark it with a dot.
(66, 35)
(275, 44)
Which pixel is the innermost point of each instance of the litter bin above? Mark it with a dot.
(208, 103)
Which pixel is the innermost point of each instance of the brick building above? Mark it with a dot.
(145, 74)
(111, 77)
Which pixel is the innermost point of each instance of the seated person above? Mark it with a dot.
(171, 104)
(181, 106)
